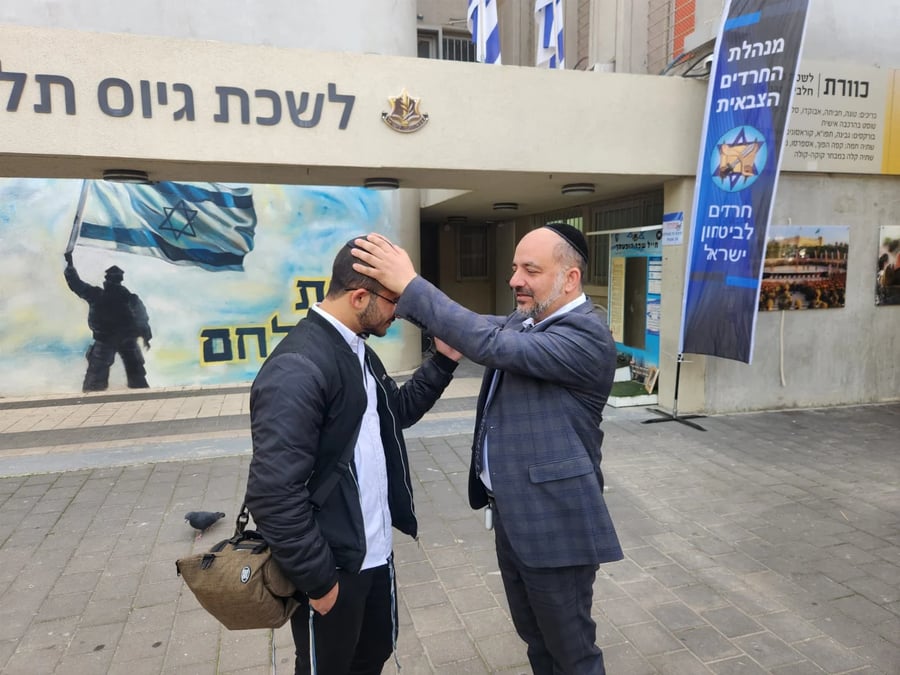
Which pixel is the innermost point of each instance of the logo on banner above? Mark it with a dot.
(739, 157)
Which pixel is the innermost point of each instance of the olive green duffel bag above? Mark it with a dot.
(239, 583)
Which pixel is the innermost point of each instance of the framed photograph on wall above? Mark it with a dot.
(805, 267)
(887, 279)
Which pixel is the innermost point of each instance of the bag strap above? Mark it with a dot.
(321, 494)
(242, 520)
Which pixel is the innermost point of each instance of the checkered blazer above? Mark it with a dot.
(542, 425)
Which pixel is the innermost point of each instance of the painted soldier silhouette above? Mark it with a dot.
(117, 318)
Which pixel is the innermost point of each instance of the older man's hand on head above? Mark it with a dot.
(384, 261)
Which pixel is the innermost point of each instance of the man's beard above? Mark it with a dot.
(538, 308)
(370, 320)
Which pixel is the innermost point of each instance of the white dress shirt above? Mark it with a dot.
(368, 456)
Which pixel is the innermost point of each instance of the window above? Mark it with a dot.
(632, 212)
(472, 244)
(457, 48)
(428, 42)
(669, 23)
(436, 44)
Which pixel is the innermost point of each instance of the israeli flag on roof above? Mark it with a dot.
(551, 51)
(482, 22)
(209, 225)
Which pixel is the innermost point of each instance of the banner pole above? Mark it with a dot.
(673, 416)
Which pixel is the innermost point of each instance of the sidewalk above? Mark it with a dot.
(769, 543)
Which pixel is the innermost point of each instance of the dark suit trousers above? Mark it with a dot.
(551, 610)
(356, 636)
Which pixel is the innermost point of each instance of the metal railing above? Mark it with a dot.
(669, 22)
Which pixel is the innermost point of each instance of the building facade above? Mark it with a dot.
(500, 150)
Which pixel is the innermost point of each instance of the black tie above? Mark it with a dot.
(479, 437)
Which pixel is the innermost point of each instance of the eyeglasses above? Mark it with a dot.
(386, 299)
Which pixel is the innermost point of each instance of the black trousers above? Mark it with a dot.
(357, 636)
(551, 610)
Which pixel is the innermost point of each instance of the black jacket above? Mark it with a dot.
(305, 405)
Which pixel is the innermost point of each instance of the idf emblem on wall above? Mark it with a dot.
(404, 115)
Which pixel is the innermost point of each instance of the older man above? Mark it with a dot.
(536, 453)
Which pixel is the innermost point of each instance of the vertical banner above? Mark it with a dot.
(747, 109)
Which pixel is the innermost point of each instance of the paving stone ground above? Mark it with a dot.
(769, 543)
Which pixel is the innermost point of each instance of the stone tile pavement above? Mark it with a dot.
(769, 543)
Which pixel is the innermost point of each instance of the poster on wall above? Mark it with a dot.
(189, 284)
(617, 296)
(635, 293)
(805, 268)
(673, 228)
(844, 119)
(887, 281)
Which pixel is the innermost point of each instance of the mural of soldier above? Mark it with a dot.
(117, 318)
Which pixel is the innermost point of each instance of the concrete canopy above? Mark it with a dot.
(74, 104)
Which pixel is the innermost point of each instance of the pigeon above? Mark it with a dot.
(202, 520)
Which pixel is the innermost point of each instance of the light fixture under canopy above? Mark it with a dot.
(578, 188)
(126, 176)
(381, 183)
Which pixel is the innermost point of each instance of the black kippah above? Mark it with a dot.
(572, 235)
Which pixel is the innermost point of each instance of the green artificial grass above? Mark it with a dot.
(630, 388)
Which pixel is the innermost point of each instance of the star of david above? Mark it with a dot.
(170, 224)
(737, 159)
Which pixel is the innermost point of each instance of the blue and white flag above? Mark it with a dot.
(551, 51)
(747, 110)
(209, 225)
(482, 22)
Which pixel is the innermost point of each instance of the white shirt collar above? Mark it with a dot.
(352, 338)
(568, 307)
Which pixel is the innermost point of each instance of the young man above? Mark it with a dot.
(536, 452)
(321, 391)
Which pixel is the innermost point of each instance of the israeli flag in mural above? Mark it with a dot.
(747, 110)
(209, 225)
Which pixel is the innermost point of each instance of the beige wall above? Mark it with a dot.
(800, 358)
(678, 196)
(486, 124)
(506, 240)
(407, 354)
(442, 154)
(365, 26)
(831, 356)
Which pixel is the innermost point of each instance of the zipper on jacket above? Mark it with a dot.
(351, 471)
(398, 442)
